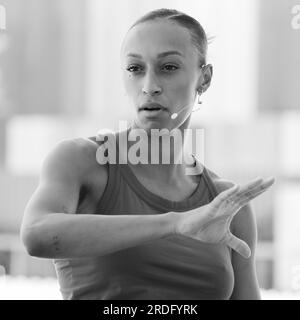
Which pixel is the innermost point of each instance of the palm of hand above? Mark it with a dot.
(211, 223)
(214, 227)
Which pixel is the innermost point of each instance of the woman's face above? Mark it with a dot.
(160, 65)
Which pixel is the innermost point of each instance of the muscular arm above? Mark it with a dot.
(51, 228)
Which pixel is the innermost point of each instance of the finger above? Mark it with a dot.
(238, 245)
(256, 191)
(233, 196)
(244, 201)
(225, 195)
(264, 184)
(244, 190)
(254, 186)
(269, 181)
(232, 200)
(239, 204)
(249, 186)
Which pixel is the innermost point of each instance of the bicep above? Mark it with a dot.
(245, 283)
(59, 186)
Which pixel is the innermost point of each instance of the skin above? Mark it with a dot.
(171, 80)
(53, 227)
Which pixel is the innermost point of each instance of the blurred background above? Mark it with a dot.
(60, 78)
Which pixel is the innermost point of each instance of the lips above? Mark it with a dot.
(152, 106)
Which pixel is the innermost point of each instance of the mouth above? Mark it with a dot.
(152, 107)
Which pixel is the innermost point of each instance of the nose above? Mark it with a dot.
(151, 85)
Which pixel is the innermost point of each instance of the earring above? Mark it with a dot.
(200, 91)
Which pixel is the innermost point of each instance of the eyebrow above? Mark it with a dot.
(160, 55)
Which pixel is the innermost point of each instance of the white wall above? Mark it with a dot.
(233, 53)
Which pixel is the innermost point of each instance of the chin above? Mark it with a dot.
(148, 124)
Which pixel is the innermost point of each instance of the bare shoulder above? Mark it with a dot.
(95, 174)
(67, 153)
(75, 158)
(243, 224)
(62, 159)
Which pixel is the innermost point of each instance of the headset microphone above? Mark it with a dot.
(175, 114)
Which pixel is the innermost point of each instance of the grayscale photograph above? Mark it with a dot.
(149, 150)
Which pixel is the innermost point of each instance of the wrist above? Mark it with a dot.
(172, 219)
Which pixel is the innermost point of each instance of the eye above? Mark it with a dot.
(170, 67)
(134, 68)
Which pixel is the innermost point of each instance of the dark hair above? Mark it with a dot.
(198, 35)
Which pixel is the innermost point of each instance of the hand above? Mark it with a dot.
(211, 222)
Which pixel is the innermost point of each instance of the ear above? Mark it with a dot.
(205, 77)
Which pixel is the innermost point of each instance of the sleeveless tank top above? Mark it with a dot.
(172, 268)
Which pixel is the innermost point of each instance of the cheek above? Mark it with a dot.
(186, 84)
(182, 91)
(129, 84)
(132, 81)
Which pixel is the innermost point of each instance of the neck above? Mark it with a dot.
(163, 151)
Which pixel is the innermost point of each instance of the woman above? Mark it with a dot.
(147, 231)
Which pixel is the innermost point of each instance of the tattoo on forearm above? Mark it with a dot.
(55, 239)
(56, 244)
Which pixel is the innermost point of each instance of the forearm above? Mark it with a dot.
(76, 236)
